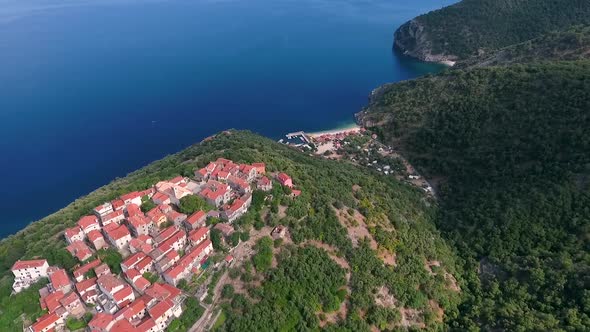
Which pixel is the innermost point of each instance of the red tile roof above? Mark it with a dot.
(44, 322)
(283, 177)
(118, 204)
(72, 231)
(133, 309)
(130, 196)
(123, 294)
(19, 265)
(134, 210)
(87, 221)
(197, 234)
(101, 321)
(196, 217)
(86, 267)
(123, 326)
(59, 279)
(142, 264)
(80, 250)
(109, 282)
(133, 259)
(160, 309)
(69, 299)
(52, 300)
(118, 233)
(85, 285)
(160, 291)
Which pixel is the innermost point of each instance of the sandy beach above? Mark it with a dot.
(348, 128)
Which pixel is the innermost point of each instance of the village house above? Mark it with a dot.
(88, 290)
(47, 323)
(113, 217)
(140, 225)
(95, 237)
(196, 220)
(145, 265)
(79, 250)
(101, 322)
(248, 171)
(118, 204)
(174, 191)
(176, 217)
(237, 208)
(157, 216)
(164, 235)
(132, 198)
(260, 168)
(176, 242)
(137, 281)
(195, 237)
(164, 312)
(132, 260)
(167, 261)
(133, 210)
(59, 281)
(88, 224)
(161, 198)
(124, 296)
(189, 261)
(73, 305)
(119, 237)
(28, 272)
(101, 270)
(84, 269)
(74, 234)
(239, 184)
(216, 193)
(50, 302)
(103, 209)
(264, 184)
(138, 245)
(285, 180)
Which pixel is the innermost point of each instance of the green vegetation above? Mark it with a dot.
(472, 25)
(512, 147)
(26, 304)
(151, 277)
(74, 324)
(112, 258)
(263, 257)
(192, 311)
(147, 204)
(193, 203)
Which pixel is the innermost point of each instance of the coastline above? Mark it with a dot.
(353, 127)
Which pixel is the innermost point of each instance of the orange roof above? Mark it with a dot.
(196, 217)
(52, 300)
(85, 268)
(133, 309)
(101, 321)
(87, 221)
(123, 325)
(94, 235)
(198, 233)
(109, 282)
(160, 291)
(133, 259)
(85, 284)
(69, 299)
(118, 233)
(59, 279)
(133, 210)
(19, 265)
(130, 196)
(160, 309)
(72, 231)
(123, 294)
(44, 322)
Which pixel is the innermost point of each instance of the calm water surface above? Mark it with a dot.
(91, 90)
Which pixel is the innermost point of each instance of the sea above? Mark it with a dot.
(91, 90)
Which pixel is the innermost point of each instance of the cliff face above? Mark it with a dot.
(412, 40)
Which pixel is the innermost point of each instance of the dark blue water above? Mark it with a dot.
(90, 92)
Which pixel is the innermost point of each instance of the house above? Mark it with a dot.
(118, 204)
(157, 216)
(195, 237)
(101, 322)
(145, 265)
(202, 174)
(260, 168)
(89, 223)
(133, 312)
(79, 250)
(87, 290)
(60, 281)
(101, 270)
(160, 292)
(215, 193)
(161, 198)
(80, 272)
(164, 234)
(27, 273)
(174, 191)
(196, 220)
(119, 237)
(110, 284)
(136, 280)
(249, 171)
(237, 208)
(46, 323)
(113, 217)
(97, 240)
(103, 210)
(50, 302)
(73, 305)
(238, 184)
(185, 265)
(74, 234)
(167, 261)
(132, 198)
(133, 210)
(176, 217)
(140, 225)
(163, 313)
(137, 245)
(132, 260)
(177, 241)
(295, 193)
(124, 296)
(264, 184)
(285, 180)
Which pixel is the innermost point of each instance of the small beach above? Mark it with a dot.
(344, 129)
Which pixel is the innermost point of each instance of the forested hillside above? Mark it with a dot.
(472, 26)
(511, 147)
(569, 45)
(400, 273)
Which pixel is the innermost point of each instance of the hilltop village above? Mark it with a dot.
(161, 250)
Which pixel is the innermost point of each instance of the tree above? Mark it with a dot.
(192, 203)
(235, 239)
(112, 258)
(146, 204)
(227, 291)
(216, 239)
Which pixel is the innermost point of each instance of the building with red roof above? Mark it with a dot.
(113, 217)
(119, 237)
(285, 180)
(140, 225)
(239, 184)
(195, 237)
(60, 281)
(46, 323)
(132, 260)
(175, 242)
(28, 272)
(134, 312)
(226, 229)
(191, 259)
(161, 198)
(79, 250)
(260, 168)
(139, 283)
(82, 270)
(167, 261)
(102, 270)
(249, 171)
(110, 284)
(103, 209)
(51, 301)
(137, 245)
(101, 322)
(123, 325)
(164, 312)
(85, 287)
(73, 305)
(133, 210)
(118, 204)
(264, 184)
(74, 234)
(132, 198)
(89, 223)
(145, 265)
(196, 220)
(159, 292)
(95, 237)
(124, 296)
(237, 208)
(157, 216)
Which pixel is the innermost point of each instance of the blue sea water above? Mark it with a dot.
(91, 90)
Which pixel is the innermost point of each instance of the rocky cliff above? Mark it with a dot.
(412, 40)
